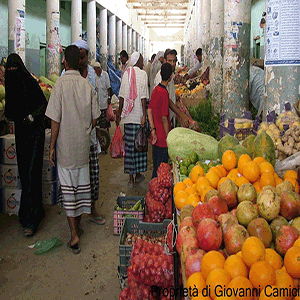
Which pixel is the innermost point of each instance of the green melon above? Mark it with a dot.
(248, 143)
(239, 150)
(226, 143)
(263, 146)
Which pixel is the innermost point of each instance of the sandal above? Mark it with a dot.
(98, 220)
(28, 232)
(74, 248)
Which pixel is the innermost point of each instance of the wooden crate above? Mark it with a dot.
(194, 99)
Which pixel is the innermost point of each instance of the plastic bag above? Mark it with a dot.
(47, 245)
(117, 148)
(110, 116)
(141, 141)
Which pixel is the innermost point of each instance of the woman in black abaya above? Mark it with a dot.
(26, 106)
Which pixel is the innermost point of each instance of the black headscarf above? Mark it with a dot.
(23, 95)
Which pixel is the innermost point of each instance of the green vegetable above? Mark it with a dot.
(128, 216)
(46, 81)
(183, 170)
(136, 206)
(211, 164)
(194, 157)
(182, 177)
(186, 162)
(190, 168)
(205, 168)
(182, 142)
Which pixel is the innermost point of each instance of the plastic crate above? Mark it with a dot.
(120, 215)
(242, 133)
(134, 226)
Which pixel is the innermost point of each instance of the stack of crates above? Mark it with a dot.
(49, 176)
(10, 184)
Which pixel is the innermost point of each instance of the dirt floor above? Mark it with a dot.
(59, 274)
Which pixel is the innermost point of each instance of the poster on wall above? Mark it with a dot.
(283, 33)
(20, 34)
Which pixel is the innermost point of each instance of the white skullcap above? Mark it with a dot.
(81, 44)
(134, 58)
(160, 54)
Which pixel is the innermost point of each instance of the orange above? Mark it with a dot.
(179, 186)
(200, 297)
(234, 171)
(251, 171)
(235, 266)
(195, 280)
(241, 180)
(239, 253)
(285, 281)
(193, 199)
(232, 177)
(217, 170)
(278, 180)
(241, 284)
(181, 199)
(196, 173)
(216, 280)
(223, 170)
(267, 179)
(188, 182)
(262, 274)
(221, 181)
(210, 261)
(201, 184)
(297, 243)
(229, 160)
(213, 178)
(274, 259)
(290, 174)
(259, 160)
(271, 293)
(244, 158)
(292, 261)
(208, 188)
(257, 186)
(294, 183)
(190, 190)
(253, 250)
(266, 167)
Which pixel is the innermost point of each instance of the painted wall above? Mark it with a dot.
(3, 28)
(258, 7)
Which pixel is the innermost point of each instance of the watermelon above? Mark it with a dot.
(263, 146)
(248, 143)
(226, 142)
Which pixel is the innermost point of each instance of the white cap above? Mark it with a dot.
(134, 58)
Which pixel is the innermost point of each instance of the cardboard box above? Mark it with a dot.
(10, 176)
(8, 149)
(49, 173)
(47, 144)
(11, 199)
(50, 192)
(195, 99)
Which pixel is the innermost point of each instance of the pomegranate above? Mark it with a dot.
(234, 238)
(226, 221)
(223, 253)
(186, 235)
(269, 187)
(210, 194)
(268, 204)
(261, 229)
(289, 205)
(285, 238)
(202, 211)
(228, 192)
(234, 212)
(187, 247)
(284, 186)
(193, 262)
(276, 224)
(186, 211)
(188, 221)
(246, 212)
(247, 192)
(218, 205)
(296, 223)
(209, 235)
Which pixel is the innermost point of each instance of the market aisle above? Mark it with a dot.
(60, 274)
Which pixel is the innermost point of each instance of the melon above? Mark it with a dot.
(239, 150)
(226, 143)
(248, 143)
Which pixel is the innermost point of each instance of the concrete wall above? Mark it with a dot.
(258, 7)
(3, 28)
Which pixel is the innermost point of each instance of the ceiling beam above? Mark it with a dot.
(160, 7)
(157, 15)
(162, 24)
(163, 18)
(166, 2)
(165, 26)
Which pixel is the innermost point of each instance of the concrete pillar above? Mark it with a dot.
(76, 20)
(112, 39)
(216, 53)
(125, 35)
(133, 41)
(103, 38)
(52, 38)
(282, 68)
(129, 41)
(91, 29)
(237, 25)
(205, 20)
(16, 27)
(119, 36)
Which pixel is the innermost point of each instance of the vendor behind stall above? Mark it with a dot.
(193, 72)
(256, 82)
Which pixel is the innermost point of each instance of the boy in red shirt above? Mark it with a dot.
(159, 119)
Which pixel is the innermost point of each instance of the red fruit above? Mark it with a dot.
(228, 192)
(226, 221)
(202, 211)
(285, 238)
(188, 221)
(234, 212)
(234, 238)
(193, 262)
(209, 235)
(290, 205)
(187, 236)
(170, 237)
(223, 253)
(218, 205)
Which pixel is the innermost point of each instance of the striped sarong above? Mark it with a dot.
(94, 172)
(76, 190)
(134, 162)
